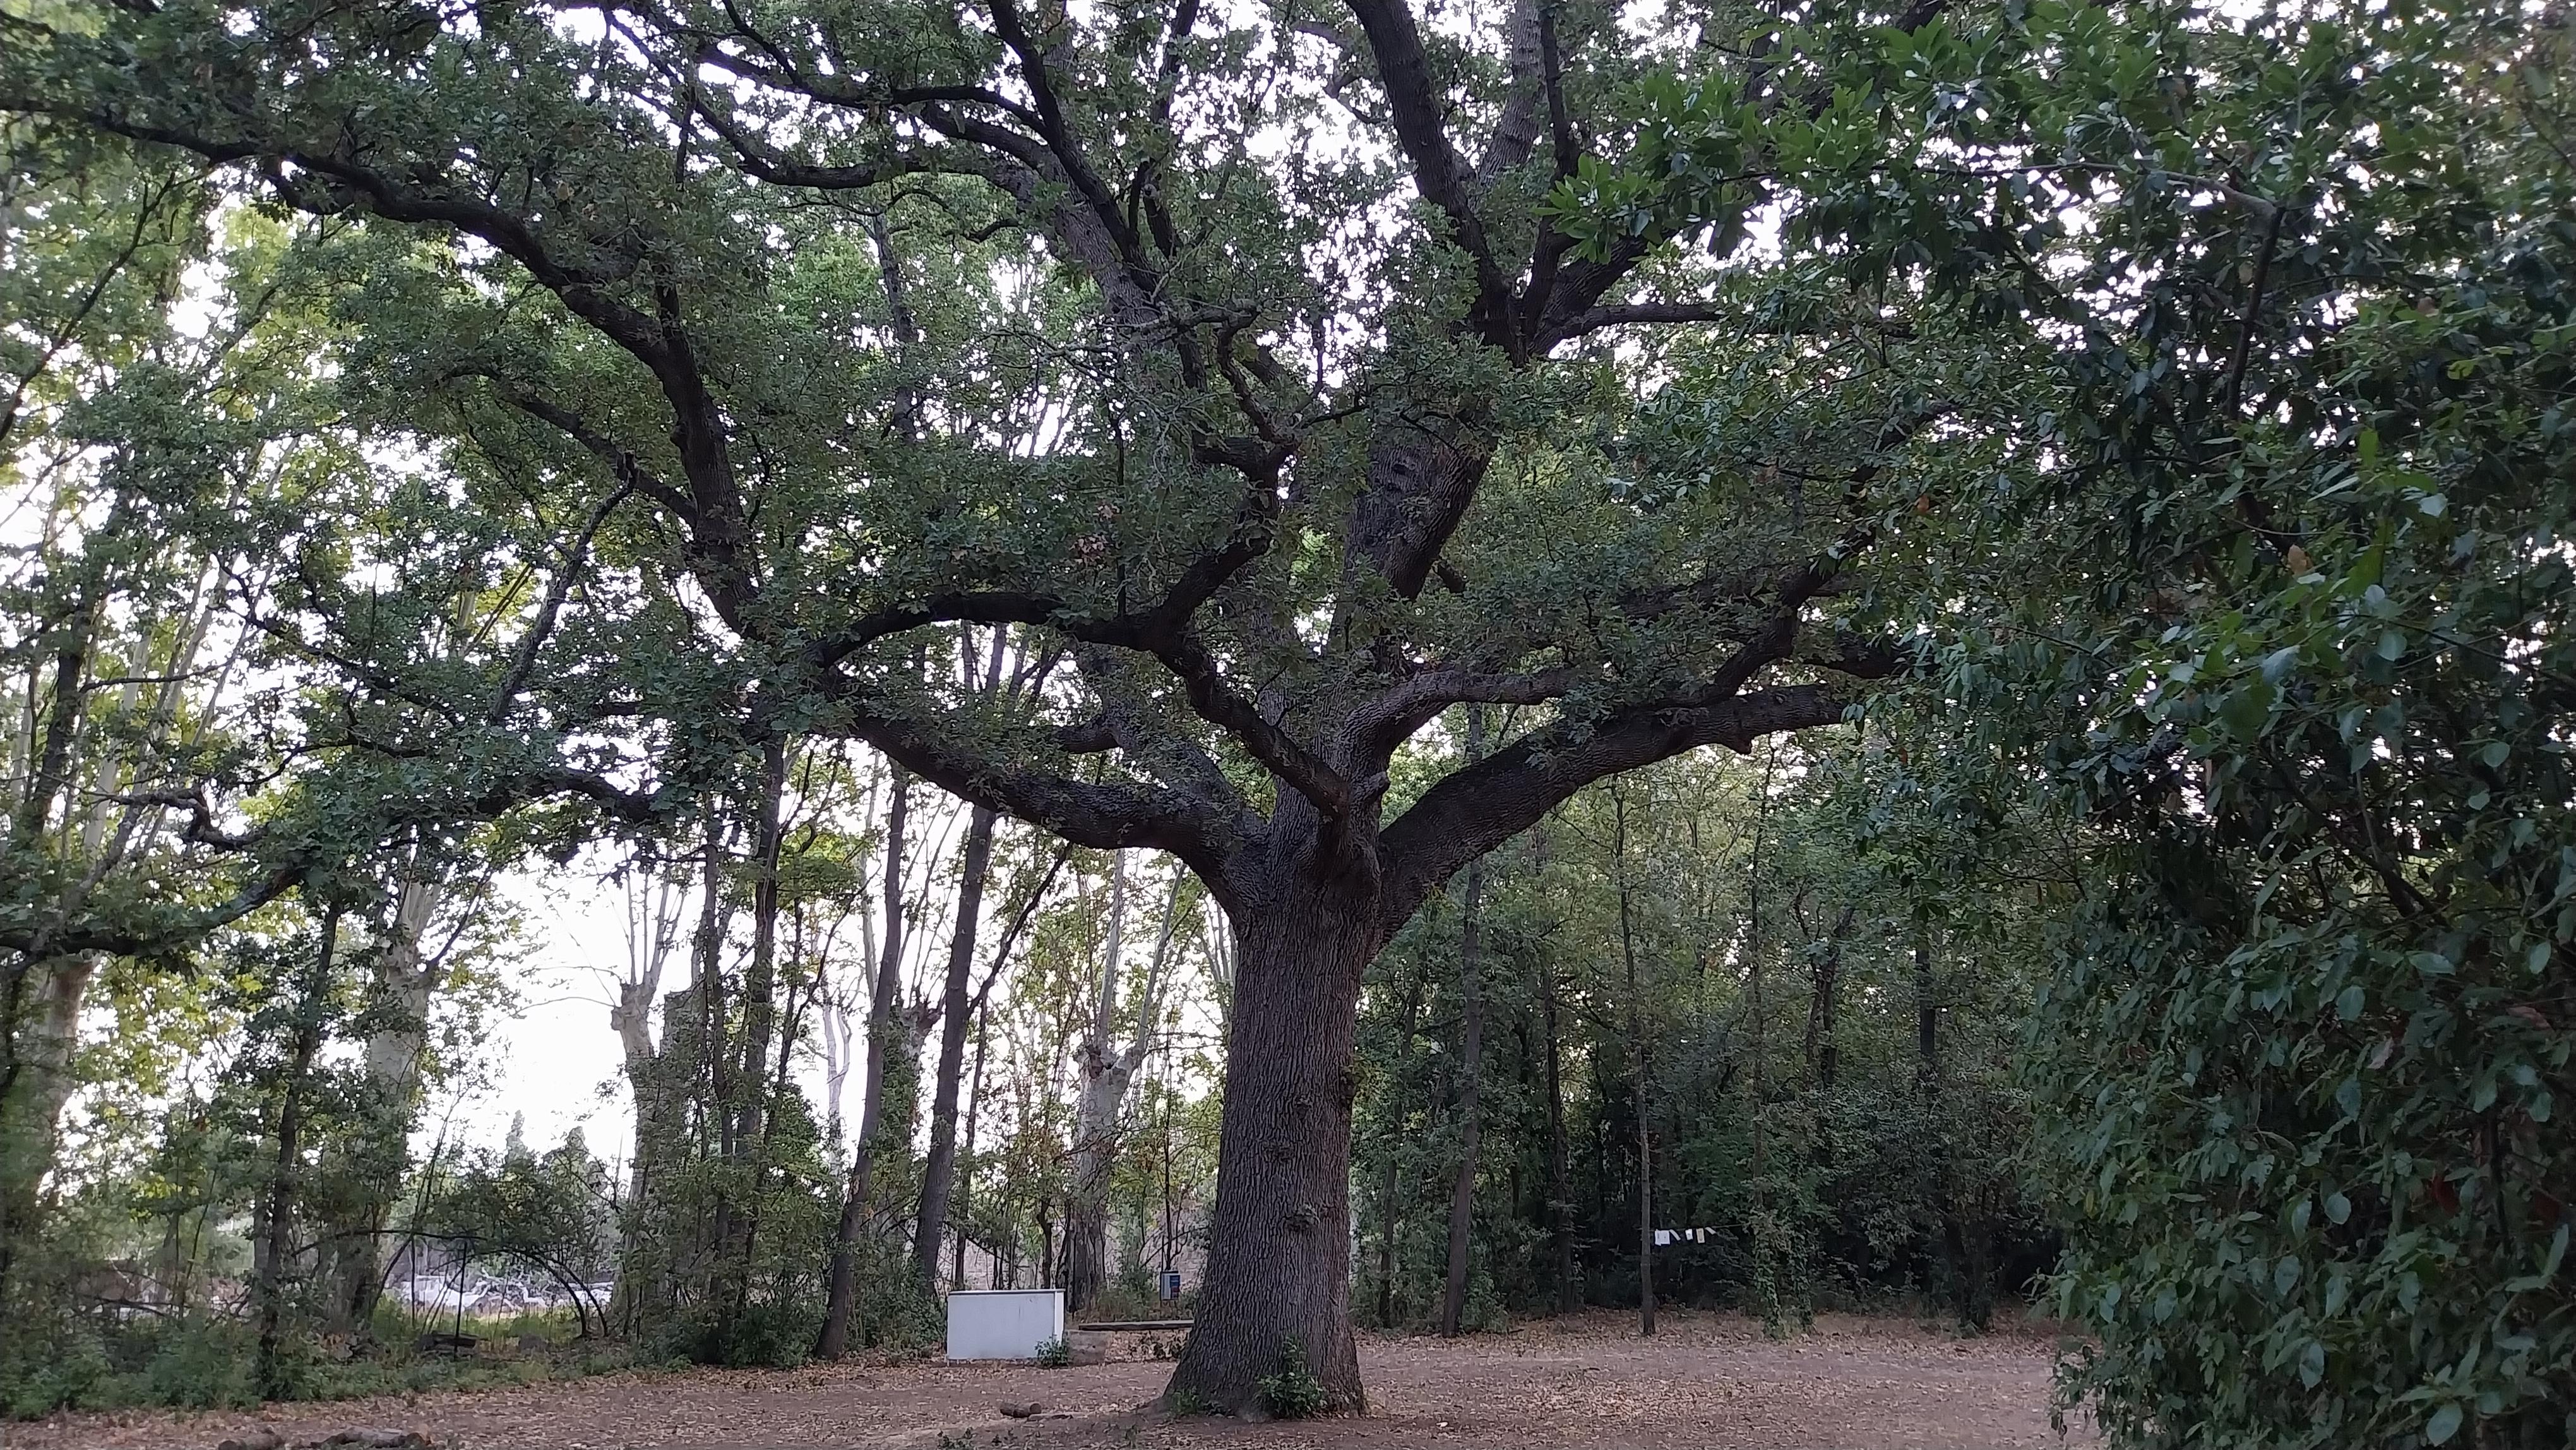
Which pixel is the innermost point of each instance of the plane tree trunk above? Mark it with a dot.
(405, 981)
(1107, 1072)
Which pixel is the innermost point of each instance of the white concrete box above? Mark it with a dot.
(1003, 1323)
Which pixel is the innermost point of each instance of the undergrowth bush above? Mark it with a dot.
(1291, 1392)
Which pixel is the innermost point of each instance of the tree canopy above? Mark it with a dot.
(1331, 445)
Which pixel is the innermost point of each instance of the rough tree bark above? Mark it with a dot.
(653, 932)
(1278, 1246)
(405, 979)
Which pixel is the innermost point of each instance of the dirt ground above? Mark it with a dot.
(1704, 1381)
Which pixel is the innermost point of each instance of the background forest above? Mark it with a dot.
(1991, 715)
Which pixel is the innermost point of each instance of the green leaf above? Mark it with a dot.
(2246, 709)
(2444, 1424)
(2338, 1208)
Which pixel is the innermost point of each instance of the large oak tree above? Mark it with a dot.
(1317, 314)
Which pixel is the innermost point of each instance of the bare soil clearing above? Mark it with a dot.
(1713, 1381)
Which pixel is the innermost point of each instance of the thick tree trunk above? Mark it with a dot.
(939, 1172)
(1278, 1266)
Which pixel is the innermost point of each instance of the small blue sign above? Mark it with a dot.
(1171, 1284)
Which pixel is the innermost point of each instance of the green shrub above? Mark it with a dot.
(1186, 1402)
(49, 1363)
(1292, 1392)
(201, 1365)
(1055, 1353)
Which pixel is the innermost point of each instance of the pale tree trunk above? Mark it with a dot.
(1086, 1200)
(1218, 943)
(405, 979)
(36, 1065)
(653, 927)
(838, 1036)
(1278, 1268)
(1106, 1075)
(58, 1011)
(31, 1108)
(653, 933)
(842, 1296)
(1471, 1062)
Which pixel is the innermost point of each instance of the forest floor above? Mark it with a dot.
(1855, 1383)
